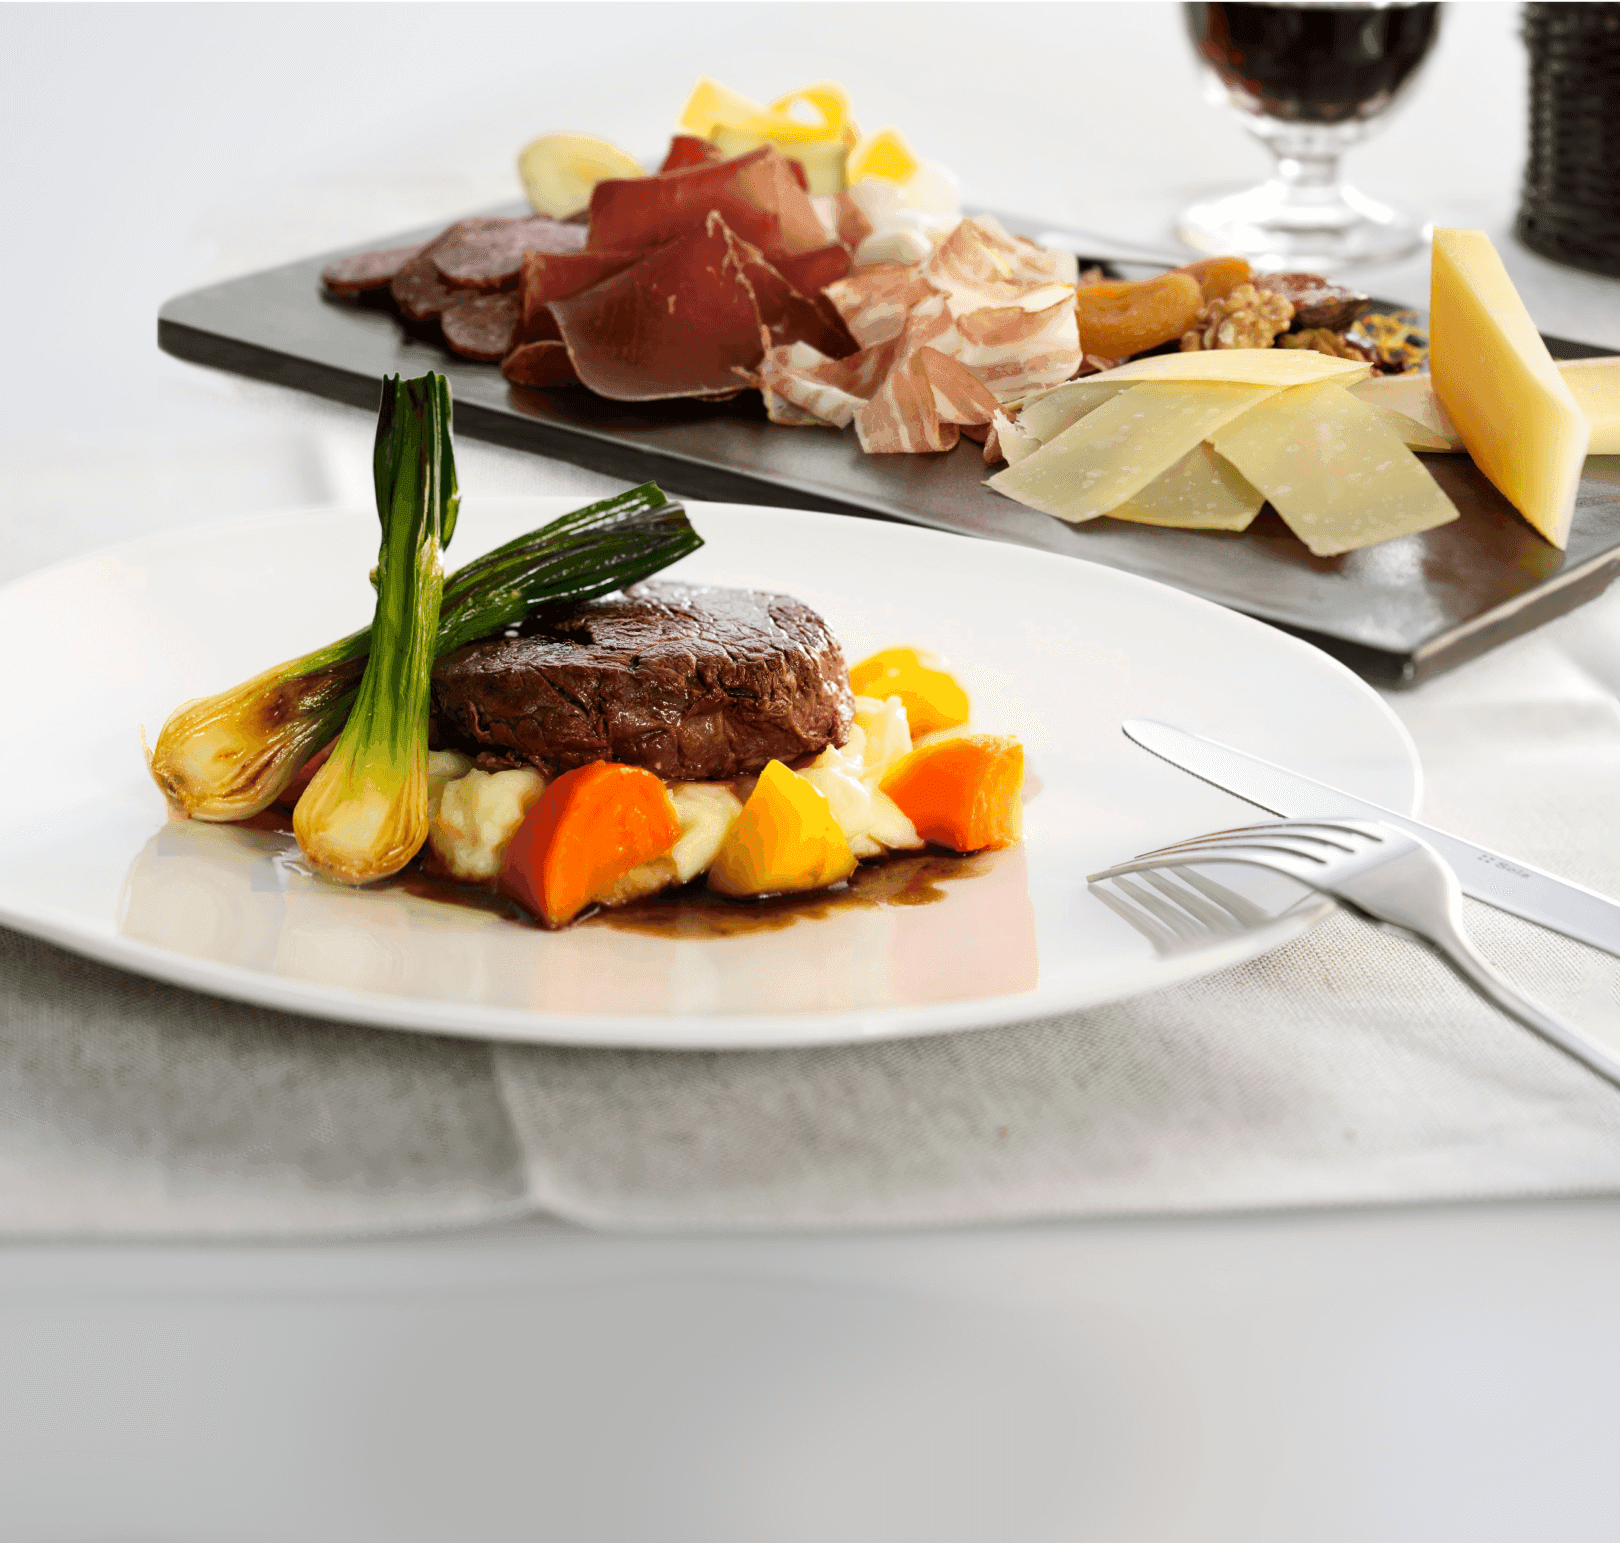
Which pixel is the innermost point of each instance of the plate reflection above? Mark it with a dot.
(910, 931)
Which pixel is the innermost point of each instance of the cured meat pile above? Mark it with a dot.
(715, 275)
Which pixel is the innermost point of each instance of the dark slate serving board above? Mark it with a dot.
(1397, 612)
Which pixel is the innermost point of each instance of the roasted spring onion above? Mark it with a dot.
(227, 757)
(578, 556)
(365, 813)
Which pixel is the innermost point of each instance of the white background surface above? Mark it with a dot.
(1402, 1375)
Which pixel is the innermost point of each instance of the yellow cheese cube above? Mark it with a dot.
(1496, 380)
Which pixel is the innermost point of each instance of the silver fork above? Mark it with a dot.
(1389, 876)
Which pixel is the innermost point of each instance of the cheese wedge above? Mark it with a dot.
(1202, 491)
(1495, 378)
(1119, 448)
(1595, 385)
(1252, 366)
(1335, 471)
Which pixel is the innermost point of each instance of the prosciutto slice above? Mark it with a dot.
(756, 194)
(539, 364)
(688, 150)
(691, 317)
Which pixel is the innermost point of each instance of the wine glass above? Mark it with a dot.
(1309, 79)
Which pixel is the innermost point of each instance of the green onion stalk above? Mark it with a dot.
(365, 813)
(230, 756)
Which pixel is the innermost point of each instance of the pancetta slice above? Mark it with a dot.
(920, 405)
(875, 302)
(1014, 351)
(979, 266)
(801, 386)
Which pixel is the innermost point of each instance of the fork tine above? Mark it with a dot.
(1213, 917)
(1163, 939)
(1274, 833)
(1186, 928)
(1181, 858)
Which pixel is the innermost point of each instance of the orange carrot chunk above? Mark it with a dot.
(590, 828)
(964, 793)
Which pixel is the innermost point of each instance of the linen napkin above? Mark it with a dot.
(1347, 1068)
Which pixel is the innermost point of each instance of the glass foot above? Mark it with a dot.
(1280, 226)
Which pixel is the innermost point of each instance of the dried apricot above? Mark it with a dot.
(1219, 276)
(1122, 318)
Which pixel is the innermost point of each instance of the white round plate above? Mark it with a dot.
(1051, 649)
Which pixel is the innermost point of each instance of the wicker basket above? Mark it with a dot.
(1570, 210)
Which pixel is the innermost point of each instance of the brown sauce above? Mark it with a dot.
(694, 911)
(416, 880)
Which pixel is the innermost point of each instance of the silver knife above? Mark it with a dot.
(1500, 881)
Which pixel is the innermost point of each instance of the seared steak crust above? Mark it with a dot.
(694, 683)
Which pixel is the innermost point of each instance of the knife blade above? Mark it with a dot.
(1504, 882)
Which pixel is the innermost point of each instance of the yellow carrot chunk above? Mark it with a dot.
(927, 690)
(786, 838)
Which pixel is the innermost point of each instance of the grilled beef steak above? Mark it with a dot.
(691, 682)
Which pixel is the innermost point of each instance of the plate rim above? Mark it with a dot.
(677, 1032)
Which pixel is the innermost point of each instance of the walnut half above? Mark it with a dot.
(1246, 318)
(1324, 340)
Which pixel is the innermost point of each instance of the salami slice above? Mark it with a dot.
(491, 259)
(417, 288)
(481, 326)
(419, 291)
(367, 270)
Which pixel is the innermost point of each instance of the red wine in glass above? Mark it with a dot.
(1308, 79)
